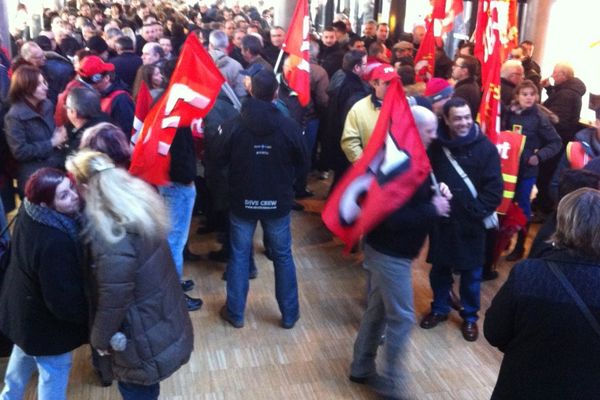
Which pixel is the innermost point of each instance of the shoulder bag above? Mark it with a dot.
(491, 221)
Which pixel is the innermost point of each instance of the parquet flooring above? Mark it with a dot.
(263, 361)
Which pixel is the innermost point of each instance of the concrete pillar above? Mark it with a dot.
(535, 28)
(4, 31)
(283, 13)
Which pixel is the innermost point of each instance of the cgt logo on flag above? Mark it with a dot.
(195, 84)
(393, 166)
(389, 163)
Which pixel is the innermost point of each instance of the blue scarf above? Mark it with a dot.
(54, 219)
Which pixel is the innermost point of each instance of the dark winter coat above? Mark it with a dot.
(75, 134)
(214, 139)
(126, 67)
(58, 72)
(43, 307)
(541, 137)
(29, 134)
(137, 292)
(330, 58)
(565, 101)
(459, 241)
(550, 350)
(507, 92)
(264, 154)
(122, 109)
(403, 233)
(341, 101)
(469, 90)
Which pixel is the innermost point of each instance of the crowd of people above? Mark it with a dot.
(97, 255)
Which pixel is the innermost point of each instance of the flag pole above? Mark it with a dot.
(279, 57)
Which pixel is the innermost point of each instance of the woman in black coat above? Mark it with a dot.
(31, 134)
(550, 349)
(43, 307)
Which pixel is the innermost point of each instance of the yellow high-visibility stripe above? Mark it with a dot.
(508, 194)
(509, 178)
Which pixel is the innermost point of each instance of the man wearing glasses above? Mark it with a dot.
(464, 72)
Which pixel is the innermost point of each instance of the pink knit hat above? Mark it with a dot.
(438, 89)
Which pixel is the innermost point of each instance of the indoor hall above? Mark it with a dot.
(312, 360)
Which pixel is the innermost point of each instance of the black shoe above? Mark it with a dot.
(225, 316)
(470, 331)
(289, 325)
(221, 256)
(189, 256)
(187, 285)
(297, 206)
(303, 194)
(489, 275)
(192, 303)
(431, 320)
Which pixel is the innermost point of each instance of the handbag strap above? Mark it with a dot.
(571, 290)
(461, 172)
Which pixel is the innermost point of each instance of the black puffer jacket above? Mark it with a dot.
(565, 101)
(137, 292)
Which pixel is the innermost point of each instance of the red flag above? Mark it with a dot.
(488, 49)
(439, 9)
(192, 91)
(296, 44)
(452, 11)
(392, 167)
(425, 58)
(143, 104)
(512, 30)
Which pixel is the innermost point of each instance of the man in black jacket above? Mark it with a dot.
(457, 243)
(389, 251)
(264, 153)
(464, 72)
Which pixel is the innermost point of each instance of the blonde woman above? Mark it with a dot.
(137, 290)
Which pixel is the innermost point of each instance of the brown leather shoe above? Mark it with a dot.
(470, 331)
(431, 320)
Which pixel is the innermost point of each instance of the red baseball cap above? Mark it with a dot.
(93, 65)
(384, 72)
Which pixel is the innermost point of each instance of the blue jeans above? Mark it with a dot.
(53, 375)
(523, 195)
(132, 391)
(441, 281)
(180, 202)
(390, 311)
(279, 236)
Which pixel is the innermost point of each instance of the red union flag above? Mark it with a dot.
(425, 58)
(143, 103)
(296, 45)
(392, 167)
(193, 88)
(488, 50)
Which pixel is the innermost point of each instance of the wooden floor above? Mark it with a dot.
(263, 361)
